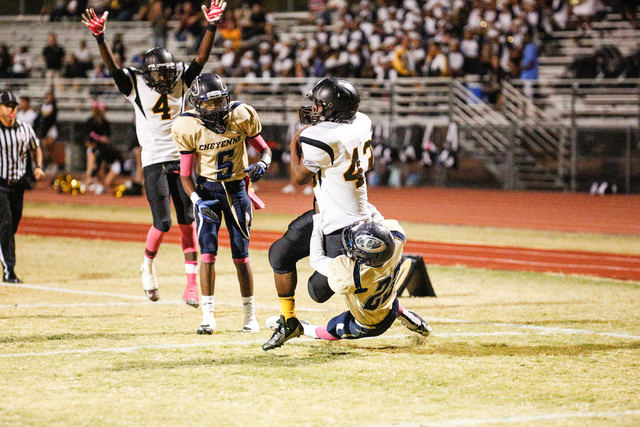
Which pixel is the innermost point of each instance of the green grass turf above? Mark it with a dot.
(523, 348)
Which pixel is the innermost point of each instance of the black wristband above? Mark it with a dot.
(100, 38)
(212, 27)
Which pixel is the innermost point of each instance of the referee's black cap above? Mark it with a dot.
(8, 99)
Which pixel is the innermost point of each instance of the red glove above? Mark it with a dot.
(95, 24)
(214, 13)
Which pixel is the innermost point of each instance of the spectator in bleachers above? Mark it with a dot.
(455, 59)
(470, 48)
(229, 30)
(104, 161)
(26, 112)
(158, 20)
(400, 60)
(227, 60)
(118, 48)
(529, 64)
(22, 63)
(492, 81)
(585, 12)
(435, 64)
(123, 10)
(191, 23)
(48, 115)
(62, 10)
(5, 61)
(74, 69)
(53, 55)
(84, 56)
(257, 23)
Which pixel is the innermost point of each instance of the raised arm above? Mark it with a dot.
(97, 27)
(213, 16)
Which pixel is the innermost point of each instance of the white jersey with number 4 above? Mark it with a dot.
(155, 113)
(339, 154)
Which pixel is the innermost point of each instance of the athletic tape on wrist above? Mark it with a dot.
(194, 197)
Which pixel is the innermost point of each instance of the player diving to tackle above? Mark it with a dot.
(158, 92)
(366, 275)
(214, 137)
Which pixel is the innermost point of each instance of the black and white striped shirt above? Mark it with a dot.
(15, 143)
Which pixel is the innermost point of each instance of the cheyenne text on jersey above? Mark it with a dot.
(220, 144)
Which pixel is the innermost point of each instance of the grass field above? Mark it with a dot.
(81, 345)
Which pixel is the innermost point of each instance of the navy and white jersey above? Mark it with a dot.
(15, 143)
(339, 154)
(155, 113)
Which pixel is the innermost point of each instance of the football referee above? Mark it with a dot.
(17, 141)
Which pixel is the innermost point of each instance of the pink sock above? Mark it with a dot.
(191, 268)
(321, 332)
(154, 240)
(188, 238)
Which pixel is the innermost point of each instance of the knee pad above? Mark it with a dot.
(279, 257)
(319, 289)
(163, 225)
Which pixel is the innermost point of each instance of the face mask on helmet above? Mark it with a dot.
(310, 115)
(161, 77)
(213, 110)
(368, 243)
(335, 100)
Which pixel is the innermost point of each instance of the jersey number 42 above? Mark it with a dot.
(355, 172)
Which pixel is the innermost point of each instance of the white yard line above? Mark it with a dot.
(71, 291)
(514, 419)
(540, 329)
(129, 349)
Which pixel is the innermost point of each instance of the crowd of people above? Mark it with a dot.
(386, 39)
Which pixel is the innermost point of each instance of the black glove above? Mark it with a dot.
(256, 170)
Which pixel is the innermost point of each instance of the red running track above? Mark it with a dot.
(625, 267)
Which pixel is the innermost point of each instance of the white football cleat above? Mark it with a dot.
(308, 190)
(250, 325)
(149, 282)
(415, 323)
(208, 325)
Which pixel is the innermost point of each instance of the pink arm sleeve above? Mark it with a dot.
(258, 143)
(186, 164)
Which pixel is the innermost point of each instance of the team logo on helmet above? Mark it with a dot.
(370, 244)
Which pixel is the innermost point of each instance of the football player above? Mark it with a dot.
(366, 276)
(158, 93)
(335, 151)
(214, 137)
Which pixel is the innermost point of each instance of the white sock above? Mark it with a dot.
(309, 330)
(207, 309)
(249, 307)
(148, 262)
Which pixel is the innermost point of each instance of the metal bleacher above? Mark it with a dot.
(526, 143)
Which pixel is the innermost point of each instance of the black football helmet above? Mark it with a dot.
(369, 243)
(337, 100)
(210, 97)
(159, 70)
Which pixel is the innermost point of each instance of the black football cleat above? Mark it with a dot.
(415, 323)
(205, 330)
(283, 333)
(11, 278)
